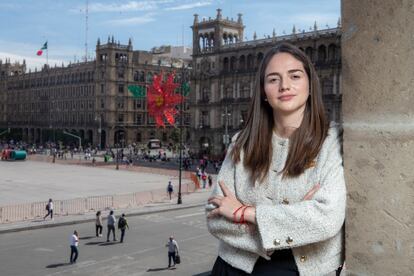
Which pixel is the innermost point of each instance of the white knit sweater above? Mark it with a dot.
(313, 229)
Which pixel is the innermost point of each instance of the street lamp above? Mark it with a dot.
(226, 139)
(117, 150)
(179, 199)
(99, 119)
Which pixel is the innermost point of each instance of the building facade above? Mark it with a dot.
(224, 71)
(88, 99)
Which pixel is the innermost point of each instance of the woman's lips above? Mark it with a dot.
(286, 98)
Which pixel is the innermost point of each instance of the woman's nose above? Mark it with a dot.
(284, 85)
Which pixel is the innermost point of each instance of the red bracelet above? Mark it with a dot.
(235, 214)
(242, 221)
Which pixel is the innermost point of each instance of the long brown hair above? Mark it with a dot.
(305, 142)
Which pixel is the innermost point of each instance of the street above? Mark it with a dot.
(46, 251)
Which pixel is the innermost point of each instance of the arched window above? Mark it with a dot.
(250, 61)
(259, 59)
(322, 53)
(242, 63)
(331, 52)
(309, 52)
(226, 64)
(233, 64)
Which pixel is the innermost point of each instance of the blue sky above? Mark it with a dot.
(148, 22)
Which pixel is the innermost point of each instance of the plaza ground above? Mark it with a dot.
(33, 181)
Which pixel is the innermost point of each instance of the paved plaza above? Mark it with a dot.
(32, 181)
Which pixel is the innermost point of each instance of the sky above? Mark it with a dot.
(27, 24)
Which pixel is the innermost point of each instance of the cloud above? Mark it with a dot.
(126, 7)
(132, 21)
(189, 6)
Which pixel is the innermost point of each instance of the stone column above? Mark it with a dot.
(378, 116)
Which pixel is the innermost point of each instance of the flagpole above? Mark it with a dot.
(47, 54)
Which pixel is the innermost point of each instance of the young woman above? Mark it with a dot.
(279, 206)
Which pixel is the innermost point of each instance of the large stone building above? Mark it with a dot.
(88, 99)
(224, 70)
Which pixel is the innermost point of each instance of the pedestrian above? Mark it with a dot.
(172, 250)
(122, 225)
(204, 178)
(74, 243)
(198, 171)
(170, 189)
(49, 209)
(210, 181)
(279, 206)
(111, 225)
(98, 224)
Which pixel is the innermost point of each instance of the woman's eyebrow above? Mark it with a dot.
(295, 70)
(290, 72)
(273, 74)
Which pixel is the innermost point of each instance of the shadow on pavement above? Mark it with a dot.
(38, 220)
(87, 238)
(108, 243)
(57, 265)
(158, 269)
(207, 273)
(94, 243)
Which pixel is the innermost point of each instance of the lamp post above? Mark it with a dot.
(179, 199)
(99, 119)
(117, 151)
(226, 139)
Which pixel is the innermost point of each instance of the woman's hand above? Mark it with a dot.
(226, 204)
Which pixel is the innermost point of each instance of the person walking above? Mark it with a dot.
(111, 225)
(49, 209)
(98, 224)
(170, 189)
(204, 178)
(122, 225)
(172, 250)
(74, 243)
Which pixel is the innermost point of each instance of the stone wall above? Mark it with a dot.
(378, 114)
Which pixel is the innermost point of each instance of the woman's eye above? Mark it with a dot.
(273, 80)
(296, 77)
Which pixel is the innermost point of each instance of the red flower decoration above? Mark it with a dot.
(162, 99)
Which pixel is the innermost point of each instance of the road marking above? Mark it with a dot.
(190, 215)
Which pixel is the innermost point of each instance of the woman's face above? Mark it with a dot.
(286, 84)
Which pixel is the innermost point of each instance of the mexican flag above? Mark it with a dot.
(44, 47)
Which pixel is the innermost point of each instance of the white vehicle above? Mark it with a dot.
(155, 148)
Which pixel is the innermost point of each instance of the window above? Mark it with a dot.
(120, 103)
(120, 118)
(138, 119)
(204, 119)
(136, 76)
(138, 104)
(139, 137)
(120, 88)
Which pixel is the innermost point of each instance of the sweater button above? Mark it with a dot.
(289, 240)
(276, 242)
(303, 258)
